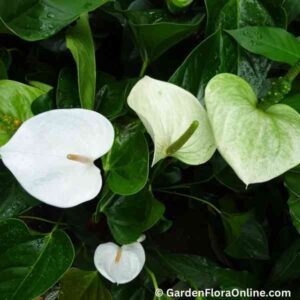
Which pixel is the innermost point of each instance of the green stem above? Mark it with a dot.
(154, 281)
(182, 139)
(43, 220)
(293, 72)
(144, 67)
(194, 198)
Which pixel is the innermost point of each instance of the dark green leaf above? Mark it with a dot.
(80, 42)
(246, 238)
(127, 163)
(202, 273)
(82, 285)
(31, 263)
(274, 43)
(287, 267)
(294, 208)
(34, 20)
(128, 217)
(293, 101)
(156, 31)
(43, 103)
(219, 53)
(67, 93)
(14, 200)
(292, 180)
(112, 97)
(292, 8)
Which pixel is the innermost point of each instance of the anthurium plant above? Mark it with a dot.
(149, 149)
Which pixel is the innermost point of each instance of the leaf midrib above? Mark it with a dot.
(33, 266)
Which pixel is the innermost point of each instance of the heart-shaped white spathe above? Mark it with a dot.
(259, 145)
(120, 264)
(52, 155)
(167, 111)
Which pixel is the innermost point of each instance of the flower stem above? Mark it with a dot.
(293, 72)
(154, 281)
(182, 139)
(194, 198)
(144, 67)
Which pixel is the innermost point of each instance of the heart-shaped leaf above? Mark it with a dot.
(31, 263)
(248, 138)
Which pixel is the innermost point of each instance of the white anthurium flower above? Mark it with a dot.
(52, 155)
(120, 264)
(175, 120)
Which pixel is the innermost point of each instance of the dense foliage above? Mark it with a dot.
(225, 223)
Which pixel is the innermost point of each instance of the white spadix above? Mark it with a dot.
(175, 120)
(52, 155)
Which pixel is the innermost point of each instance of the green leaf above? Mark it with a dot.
(250, 145)
(292, 180)
(31, 263)
(67, 94)
(34, 20)
(80, 42)
(287, 267)
(219, 53)
(15, 106)
(14, 200)
(274, 43)
(294, 208)
(293, 101)
(111, 98)
(155, 31)
(82, 285)
(203, 273)
(127, 163)
(292, 8)
(128, 217)
(131, 291)
(246, 238)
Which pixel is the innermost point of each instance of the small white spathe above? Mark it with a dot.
(120, 264)
(52, 155)
(167, 111)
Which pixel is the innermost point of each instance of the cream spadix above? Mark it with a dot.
(52, 155)
(120, 264)
(175, 120)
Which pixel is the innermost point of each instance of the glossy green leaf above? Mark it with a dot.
(287, 267)
(292, 8)
(67, 93)
(128, 217)
(80, 42)
(156, 31)
(14, 200)
(246, 238)
(127, 163)
(203, 273)
(83, 285)
(251, 145)
(31, 263)
(293, 101)
(15, 106)
(43, 103)
(219, 53)
(111, 98)
(34, 20)
(274, 43)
